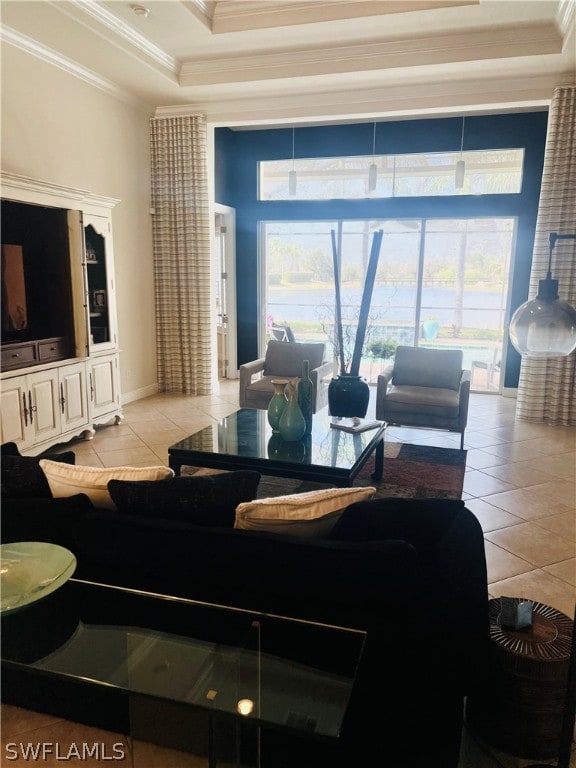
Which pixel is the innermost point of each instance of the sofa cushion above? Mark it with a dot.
(67, 480)
(285, 359)
(209, 500)
(23, 478)
(422, 522)
(51, 520)
(312, 514)
(429, 401)
(421, 367)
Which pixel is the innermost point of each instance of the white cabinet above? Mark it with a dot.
(45, 407)
(14, 411)
(53, 389)
(73, 393)
(104, 388)
(100, 293)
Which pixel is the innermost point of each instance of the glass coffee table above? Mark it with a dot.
(265, 671)
(244, 440)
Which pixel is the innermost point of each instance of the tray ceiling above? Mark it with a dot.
(250, 62)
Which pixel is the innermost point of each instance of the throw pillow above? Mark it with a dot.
(22, 476)
(312, 514)
(208, 500)
(93, 481)
(51, 520)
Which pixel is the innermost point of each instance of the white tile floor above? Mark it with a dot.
(520, 483)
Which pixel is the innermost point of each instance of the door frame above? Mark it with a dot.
(228, 220)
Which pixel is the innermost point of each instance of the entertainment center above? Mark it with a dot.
(59, 346)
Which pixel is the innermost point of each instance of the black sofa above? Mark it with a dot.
(410, 573)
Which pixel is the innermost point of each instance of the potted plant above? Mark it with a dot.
(348, 393)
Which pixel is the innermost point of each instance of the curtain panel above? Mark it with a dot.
(181, 243)
(547, 386)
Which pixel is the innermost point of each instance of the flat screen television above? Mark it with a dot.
(35, 270)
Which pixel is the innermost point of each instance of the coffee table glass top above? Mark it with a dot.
(270, 670)
(247, 435)
(31, 570)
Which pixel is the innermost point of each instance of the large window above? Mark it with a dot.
(440, 283)
(411, 175)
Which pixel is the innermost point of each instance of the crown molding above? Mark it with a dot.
(243, 15)
(566, 16)
(426, 99)
(481, 45)
(27, 188)
(50, 56)
(120, 29)
(203, 10)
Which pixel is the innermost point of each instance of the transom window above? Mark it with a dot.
(487, 172)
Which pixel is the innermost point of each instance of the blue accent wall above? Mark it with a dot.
(238, 153)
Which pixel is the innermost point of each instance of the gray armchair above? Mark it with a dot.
(283, 360)
(425, 388)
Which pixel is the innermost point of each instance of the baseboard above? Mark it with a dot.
(139, 394)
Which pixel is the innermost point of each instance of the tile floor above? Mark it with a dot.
(520, 483)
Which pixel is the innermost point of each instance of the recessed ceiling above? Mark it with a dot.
(253, 62)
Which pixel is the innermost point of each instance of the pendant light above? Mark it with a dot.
(292, 178)
(460, 165)
(545, 326)
(373, 169)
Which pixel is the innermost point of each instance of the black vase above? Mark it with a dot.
(348, 396)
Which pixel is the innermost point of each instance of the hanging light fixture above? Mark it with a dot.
(460, 165)
(545, 326)
(373, 169)
(292, 178)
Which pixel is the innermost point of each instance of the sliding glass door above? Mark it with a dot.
(440, 283)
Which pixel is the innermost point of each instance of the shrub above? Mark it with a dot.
(383, 348)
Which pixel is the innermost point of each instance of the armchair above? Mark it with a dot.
(425, 388)
(283, 360)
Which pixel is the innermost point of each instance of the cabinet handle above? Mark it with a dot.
(62, 398)
(31, 407)
(91, 389)
(15, 354)
(25, 409)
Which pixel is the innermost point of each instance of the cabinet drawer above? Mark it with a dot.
(52, 349)
(17, 356)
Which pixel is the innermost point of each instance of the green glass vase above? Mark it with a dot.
(277, 404)
(292, 424)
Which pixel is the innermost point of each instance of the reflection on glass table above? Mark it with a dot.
(262, 669)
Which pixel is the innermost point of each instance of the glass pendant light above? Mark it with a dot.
(292, 178)
(373, 169)
(460, 165)
(545, 326)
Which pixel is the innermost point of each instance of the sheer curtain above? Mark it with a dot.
(181, 241)
(547, 387)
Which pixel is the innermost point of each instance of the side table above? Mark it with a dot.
(518, 709)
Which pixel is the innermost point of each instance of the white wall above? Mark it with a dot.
(60, 129)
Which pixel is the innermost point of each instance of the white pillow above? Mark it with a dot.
(70, 479)
(312, 514)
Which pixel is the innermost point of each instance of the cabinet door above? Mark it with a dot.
(104, 386)
(44, 411)
(73, 396)
(100, 297)
(14, 411)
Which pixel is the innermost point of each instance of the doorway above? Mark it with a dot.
(225, 290)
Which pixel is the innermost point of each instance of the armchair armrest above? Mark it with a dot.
(464, 397)
(247, 371)
(382, 384)
(318, 376)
